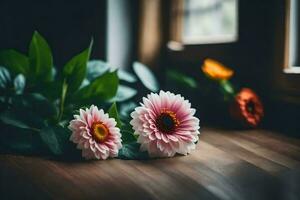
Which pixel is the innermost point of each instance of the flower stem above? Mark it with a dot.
(227, 90)
(62, 100)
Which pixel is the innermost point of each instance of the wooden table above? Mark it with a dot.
(253, 164)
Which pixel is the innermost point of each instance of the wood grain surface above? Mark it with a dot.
(252, 164)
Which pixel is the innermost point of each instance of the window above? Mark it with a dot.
(292, 64)
(210, 21)
(205, 21)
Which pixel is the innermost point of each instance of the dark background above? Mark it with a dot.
(67, 25)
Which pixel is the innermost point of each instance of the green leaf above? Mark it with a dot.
(53, 71)
(52, 90)
(96, 68)
(75, 70)
(113, 113)
(124, 93)
(127, 136)
(68, 149)
(19, 83)
(146, 76)
(84, 83)
(126, 109)
(14, 61)
(132, 152)
(34, 103)
(182, 79)
(126, 76)
(49, 138)
(5, 78)
(101, 88)
(40, 59)
(227, 90)
(21, 119)
(18, 140)
(9, 87)
(41, 105)
(12, 118)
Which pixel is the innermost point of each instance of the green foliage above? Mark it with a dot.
(13, 139)
(102, 88)
(146, 76)
(9, 86)
(19, 83)
(132, 152)
(182, 79)
(14, 118)
(38, 101)
(227, 90)
(127, 136)
(124, 93)
(28, 112)
(56, 140)
(126, 109)
(14, 61)
(126, 76)
(126, 132)
(49, 138)
(5, 79)
(96, 68)
(40, 60)
(227, 86)
(52, 90)
(113, 113)
(75, 70)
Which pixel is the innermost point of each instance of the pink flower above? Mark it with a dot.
(95, 134)
(165, 125)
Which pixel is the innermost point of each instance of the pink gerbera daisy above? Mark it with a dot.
(165, 125)
(95, 134)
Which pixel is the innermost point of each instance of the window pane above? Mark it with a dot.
(210, 21)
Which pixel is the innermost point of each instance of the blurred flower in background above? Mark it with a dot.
(215, 70)
(247, 108)
(221, 96)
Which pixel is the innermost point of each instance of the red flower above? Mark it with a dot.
(247, 108)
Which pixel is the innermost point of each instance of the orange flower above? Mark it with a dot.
(216, 70)
(247, 108)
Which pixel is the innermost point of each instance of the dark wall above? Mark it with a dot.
(67, 25)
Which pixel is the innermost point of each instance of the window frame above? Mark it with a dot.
(286, 79)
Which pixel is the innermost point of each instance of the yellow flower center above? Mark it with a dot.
(166, 122)
(99, 132)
